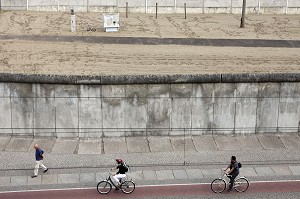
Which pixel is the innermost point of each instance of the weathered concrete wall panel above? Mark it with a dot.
(224, 108)
(202, 109)
(136, 109)
(5, 116)
(289, 107)
(246, 105)
(44, 110)
(267, 107)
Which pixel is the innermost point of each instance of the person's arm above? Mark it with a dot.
(227, 168)
(231, 170)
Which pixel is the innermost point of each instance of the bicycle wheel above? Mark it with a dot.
(104, 187)
(218, 185)
(127, 187)
(241, 184)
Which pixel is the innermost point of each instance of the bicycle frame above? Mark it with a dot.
(109, 179)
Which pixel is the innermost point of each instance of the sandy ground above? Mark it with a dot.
(19, 56)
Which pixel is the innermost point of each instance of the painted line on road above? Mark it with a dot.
(141, 186)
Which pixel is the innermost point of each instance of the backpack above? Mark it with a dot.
(126, 167)
(239, 165)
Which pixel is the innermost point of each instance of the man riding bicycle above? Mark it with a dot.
(233, 172)
(121, 172)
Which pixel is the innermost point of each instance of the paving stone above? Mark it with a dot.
(137, 145)
(227, 143)
(114, 145)
(160, 144)
(150, 175)
(248, 171)
(90, 147)
(211, 173)
(46, 144)
(282, 170)
(249, 143)
(165, 175)
(18, 180)
(34, 181)
(65, 146)
(264, 171)
(4, 181)
(270, 142)
(49, 179)
(205, 144)
(295, 170)
(136, 175)
(67, 178)
(180, 174)
(101, 176)
(290, 141)
(18, 144)
(194, 173)
(181, 144)
(3, 142)
(87, 177)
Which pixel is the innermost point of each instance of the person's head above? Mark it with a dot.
(233, 158)
(119, 161)
(36, 146)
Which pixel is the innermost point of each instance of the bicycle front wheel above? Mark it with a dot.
(128, 187)
(241, 184)
(104, 187)
(218, 185)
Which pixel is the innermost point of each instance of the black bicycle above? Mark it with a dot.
(105, 186)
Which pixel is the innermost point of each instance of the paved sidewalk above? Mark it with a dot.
(152, 158)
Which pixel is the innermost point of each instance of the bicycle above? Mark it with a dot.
(240, 184)
(105, 186)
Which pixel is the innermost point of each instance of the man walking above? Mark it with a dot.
(39, 157)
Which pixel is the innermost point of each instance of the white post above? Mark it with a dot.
(231, 6)
(73, 21)
(175, 6)
(287, 6)
(146, 6)
(258, 7)
(57, 5)
(27, 6)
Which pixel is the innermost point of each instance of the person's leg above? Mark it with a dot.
(43, 166)
(36, 168)
(232, 178)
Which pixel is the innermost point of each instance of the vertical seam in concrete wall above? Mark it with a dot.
(257, 102)
(78, 105)
(278, 108)
(192, 103)
(147, 108)
(55, 131)
(234, 116)
(101, 105)
(34, 103)
(11, 110)
(170, 122)
(213, 104)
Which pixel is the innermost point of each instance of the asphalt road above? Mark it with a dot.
(289, 189)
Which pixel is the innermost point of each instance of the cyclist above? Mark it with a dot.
(121, 172)
(233, 172)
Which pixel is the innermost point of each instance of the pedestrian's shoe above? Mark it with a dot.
(230, 189)
(45, 171)
(34, 176)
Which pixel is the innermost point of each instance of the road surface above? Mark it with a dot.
(285, 189)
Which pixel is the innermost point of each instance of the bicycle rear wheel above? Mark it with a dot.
(241, 184)
(104, 187)
(127, 187)
(218, 185)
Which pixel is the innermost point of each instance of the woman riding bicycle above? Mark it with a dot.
(121, 172)
(233, 172)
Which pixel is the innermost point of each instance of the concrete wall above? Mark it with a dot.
(93, 111)
(148, 6)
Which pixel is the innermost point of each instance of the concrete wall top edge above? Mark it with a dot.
(149, 79)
